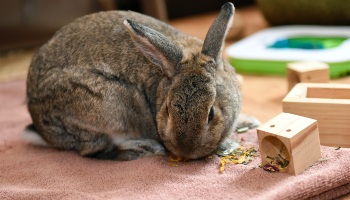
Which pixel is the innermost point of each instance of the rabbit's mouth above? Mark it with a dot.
(175, 158)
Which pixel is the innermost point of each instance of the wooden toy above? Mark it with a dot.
(307, 72)
(329, 104)
(291, 139)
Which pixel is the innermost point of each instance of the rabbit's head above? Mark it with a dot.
(199, 101)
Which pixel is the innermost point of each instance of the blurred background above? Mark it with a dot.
(24, 23)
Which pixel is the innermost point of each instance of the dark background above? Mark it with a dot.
(26, 23)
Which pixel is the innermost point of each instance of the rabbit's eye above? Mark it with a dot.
(212, 62)
(211, 114)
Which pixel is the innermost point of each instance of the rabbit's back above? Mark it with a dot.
(101, 37)
(100, 42)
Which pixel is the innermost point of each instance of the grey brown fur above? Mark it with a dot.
(121, 85)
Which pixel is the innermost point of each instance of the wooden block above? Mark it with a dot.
(294, 138)
(307, 72)
(329, 104)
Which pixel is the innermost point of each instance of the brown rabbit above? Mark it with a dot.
(120, 85)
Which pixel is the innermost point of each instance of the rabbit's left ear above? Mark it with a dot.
(155, 46)
(214, 40)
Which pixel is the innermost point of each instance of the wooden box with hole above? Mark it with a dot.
(307, 72)
(289, 143)
(329, 104)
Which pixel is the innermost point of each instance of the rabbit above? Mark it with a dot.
(121, 85)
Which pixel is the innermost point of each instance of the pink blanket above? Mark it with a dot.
(29, 172)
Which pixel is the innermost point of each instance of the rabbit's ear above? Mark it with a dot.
(155, 46)
(214, 40)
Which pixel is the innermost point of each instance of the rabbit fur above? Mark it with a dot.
(121, 85)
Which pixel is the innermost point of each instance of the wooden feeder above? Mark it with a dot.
(329, 104)
(307, 72)
(293, 137)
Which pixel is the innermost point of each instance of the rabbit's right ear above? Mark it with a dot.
(214, 40)
(155, 46)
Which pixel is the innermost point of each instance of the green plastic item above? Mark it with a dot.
(266, 67)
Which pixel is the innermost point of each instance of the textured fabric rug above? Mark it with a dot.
(29, 172)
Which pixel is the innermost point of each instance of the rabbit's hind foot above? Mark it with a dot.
(131, 150)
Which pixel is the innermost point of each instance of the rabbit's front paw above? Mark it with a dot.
(248, 121)
(226, 147)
